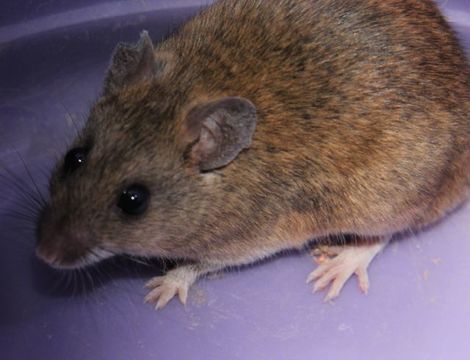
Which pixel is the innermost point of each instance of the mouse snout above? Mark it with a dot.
(59, 244)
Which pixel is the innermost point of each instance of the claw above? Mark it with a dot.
(154, 282)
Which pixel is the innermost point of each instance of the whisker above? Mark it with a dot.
(138, 260)
(21, 216)
(69, 279)
(69, 115)
(23, 211)
(32, 203)
(17, 183)
(32, 179)
(97, 276)
(75, 282)
(90, 278)
(45, 174)
(82, 282)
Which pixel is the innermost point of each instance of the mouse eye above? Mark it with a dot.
(74, 159)
(134, 199)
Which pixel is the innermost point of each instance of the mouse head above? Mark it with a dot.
(135, 179)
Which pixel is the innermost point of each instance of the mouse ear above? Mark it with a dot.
(132, 63)
(219, 130)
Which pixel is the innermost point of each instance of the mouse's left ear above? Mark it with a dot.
(219, 130)
(132, 63)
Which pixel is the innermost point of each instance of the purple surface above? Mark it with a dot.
(52, 59)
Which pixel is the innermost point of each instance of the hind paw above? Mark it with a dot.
(337, 264)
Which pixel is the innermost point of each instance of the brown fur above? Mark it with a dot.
(363, 128)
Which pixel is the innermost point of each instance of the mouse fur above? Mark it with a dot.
(260, 125)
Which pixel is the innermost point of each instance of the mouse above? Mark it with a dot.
(262, 126)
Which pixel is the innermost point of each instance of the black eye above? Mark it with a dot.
(134, 200)
(74, 159)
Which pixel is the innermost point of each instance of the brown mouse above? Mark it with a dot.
(260, 125)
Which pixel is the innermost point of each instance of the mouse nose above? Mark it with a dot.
(58, 244)
(61, 252)
(48, 257)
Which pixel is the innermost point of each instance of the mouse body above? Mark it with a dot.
(261, 125)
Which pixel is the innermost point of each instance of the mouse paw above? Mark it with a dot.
(176, 281)
(164, 288)
(337, 264)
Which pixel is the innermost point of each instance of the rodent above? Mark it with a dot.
(260, 125)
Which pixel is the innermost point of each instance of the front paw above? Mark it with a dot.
(164, 288)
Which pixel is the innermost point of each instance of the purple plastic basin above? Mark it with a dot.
(53, 55)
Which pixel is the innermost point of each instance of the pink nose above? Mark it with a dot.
(53, 258)
(61, 250)
(58, 244)
(47, 256)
